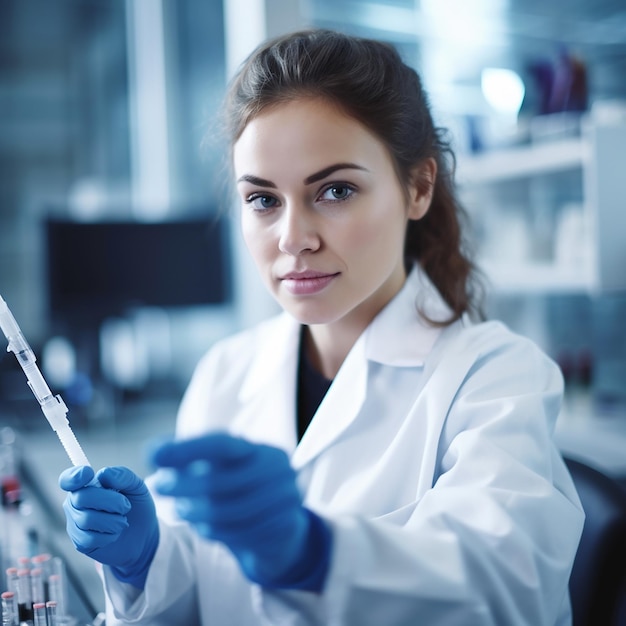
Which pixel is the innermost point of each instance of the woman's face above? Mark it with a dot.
(323, 212)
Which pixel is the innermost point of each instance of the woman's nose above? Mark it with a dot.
(298, 232)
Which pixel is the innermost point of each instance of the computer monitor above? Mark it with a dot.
(100, 269)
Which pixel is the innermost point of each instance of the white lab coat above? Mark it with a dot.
(431, 457)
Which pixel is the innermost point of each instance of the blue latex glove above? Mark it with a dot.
(245, 496)
(115, 523)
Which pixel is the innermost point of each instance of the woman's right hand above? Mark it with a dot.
(114, 523)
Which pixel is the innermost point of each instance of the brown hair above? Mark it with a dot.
(369, 81)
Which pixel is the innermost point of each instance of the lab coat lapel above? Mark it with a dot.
(338, 408)
(381, 343)
(268, 393)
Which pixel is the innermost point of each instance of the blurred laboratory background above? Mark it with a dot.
(120, 255)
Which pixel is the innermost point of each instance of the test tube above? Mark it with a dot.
(11, 582)
(36, 585)
(39, 613)
(57, 594)
(11, 573)
(57, 568)
(9, 609)
(44, 562)
(23, 562)
(51, 613)
(24, 595)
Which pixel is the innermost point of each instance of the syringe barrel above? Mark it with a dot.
(19, 345)
(17, 342)
(7, 321)
(24, 353)
(37, 383)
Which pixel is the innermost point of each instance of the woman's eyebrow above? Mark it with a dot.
(327, 171)
(255, 180)
(313, 178)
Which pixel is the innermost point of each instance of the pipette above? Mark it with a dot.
(52, 406)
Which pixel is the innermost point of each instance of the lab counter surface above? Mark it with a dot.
(599, 440)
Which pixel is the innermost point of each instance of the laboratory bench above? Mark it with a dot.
(598, 439)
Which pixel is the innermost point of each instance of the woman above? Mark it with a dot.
(372, 455)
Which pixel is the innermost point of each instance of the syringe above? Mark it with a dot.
(53, 407)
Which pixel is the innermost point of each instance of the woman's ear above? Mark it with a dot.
(421, 188)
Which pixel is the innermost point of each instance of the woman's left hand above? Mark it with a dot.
(245, 495)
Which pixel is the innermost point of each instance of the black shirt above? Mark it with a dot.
(312, 387)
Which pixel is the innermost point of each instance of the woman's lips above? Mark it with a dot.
(306, 283)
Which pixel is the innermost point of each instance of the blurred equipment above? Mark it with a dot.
(562, 85)
(102, 269)
(110, 284)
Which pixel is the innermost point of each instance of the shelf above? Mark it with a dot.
(523, 161)
(531, 178)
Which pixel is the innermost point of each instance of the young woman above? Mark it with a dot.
(376, 454)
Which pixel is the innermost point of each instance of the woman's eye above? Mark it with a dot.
(337, 192)
(261, 202)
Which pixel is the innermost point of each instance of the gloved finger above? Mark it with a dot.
(99, 499)
(260, 532)
(225, 481)
(239, 513)
(215, 448)
(264, 470)
(122, 479)
(74, 478)
(88, 542)
(89, 520)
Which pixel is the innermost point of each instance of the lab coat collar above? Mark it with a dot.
(280, 337)
(398, 336)
(411, 346)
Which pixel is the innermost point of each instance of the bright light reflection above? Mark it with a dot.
(476, 7)
(503, 89)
